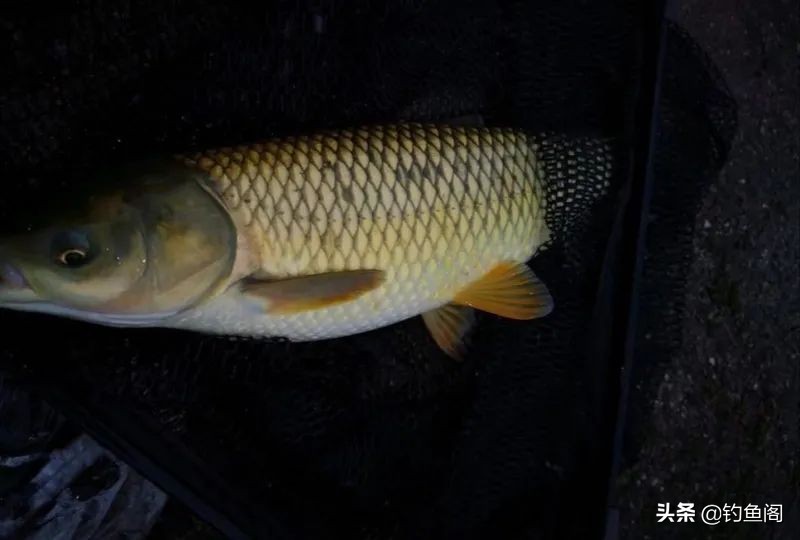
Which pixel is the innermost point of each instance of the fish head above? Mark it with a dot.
(156, 244)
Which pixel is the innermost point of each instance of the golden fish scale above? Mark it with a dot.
(428, 204)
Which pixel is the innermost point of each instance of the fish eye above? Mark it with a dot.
(73, 258)
(71, 249)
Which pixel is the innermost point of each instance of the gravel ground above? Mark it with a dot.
(724, 424)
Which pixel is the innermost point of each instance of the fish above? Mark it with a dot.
(303, 237)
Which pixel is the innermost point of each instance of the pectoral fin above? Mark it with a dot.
(294, 295)
(509, 290)
(449, 326)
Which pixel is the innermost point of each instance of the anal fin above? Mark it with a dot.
(510, 290)
(449, 326)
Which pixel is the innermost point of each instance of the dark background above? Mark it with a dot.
(377, 435)
(717, 414)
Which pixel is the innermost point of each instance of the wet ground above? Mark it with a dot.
(724, 422)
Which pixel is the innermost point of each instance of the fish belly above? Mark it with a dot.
(434, 207)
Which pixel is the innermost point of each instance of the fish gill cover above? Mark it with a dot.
(377, 435)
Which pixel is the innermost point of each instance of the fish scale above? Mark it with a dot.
(434, 207)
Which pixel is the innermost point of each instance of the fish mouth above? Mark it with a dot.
(104, 319)
(16, 294)
(11, 278)
(26, 301)
(13, 285)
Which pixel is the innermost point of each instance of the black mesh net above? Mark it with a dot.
(371, 436)
(694, 132)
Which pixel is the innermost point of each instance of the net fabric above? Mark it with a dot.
(372, 436)
(695, 129)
